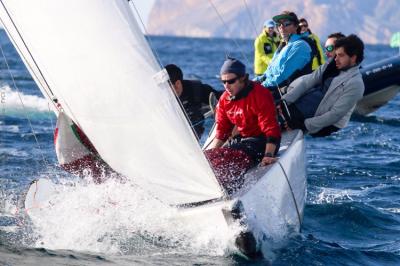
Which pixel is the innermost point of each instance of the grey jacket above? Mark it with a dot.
(339, 101)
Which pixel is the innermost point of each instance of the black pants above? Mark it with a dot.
(297, 122)
(252, 146)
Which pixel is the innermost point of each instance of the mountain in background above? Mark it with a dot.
(373, 20)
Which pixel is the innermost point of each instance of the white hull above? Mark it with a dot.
(271, 204)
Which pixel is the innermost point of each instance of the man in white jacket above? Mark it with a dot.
(322, 102)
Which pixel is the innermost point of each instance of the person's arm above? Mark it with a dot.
(223, 125)
(269, 155)
(295, 58)
(344, 104)
(268, 123)
(260, 51)
(302, 84)
(216, 143)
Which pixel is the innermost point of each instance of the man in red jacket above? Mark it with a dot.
(250, 108)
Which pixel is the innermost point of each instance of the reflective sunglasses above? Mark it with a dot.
(329, 48)
(229, 81)
(284, 24)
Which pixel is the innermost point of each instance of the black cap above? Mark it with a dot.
(286, 15)
(232, 65)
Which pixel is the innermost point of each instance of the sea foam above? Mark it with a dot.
(15, 102)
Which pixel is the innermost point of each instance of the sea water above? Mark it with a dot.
(352, 213)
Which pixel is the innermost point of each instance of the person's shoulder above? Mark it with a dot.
(314, 36)
(302, 44)
(259, 89)
(261, 38)
(223, 100)
(357, 77)
(191, 82)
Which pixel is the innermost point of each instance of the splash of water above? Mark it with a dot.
(14, 102)
(121, 218)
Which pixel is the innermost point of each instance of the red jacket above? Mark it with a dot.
(253, 112)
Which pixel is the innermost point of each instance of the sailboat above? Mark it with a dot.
(92, 57)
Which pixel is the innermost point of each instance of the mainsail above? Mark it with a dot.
(94, 58)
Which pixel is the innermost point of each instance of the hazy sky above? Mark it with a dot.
(143, 7)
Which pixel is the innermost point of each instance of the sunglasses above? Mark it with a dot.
(329, 48)
(229, 81)
(303, 25)
(284, 24)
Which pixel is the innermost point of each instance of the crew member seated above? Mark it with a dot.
(193, 94)
(250, 108)
(293, 57)
(322, 102)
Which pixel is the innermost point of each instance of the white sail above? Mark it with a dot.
(98, 64)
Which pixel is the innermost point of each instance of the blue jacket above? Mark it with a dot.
(294, 56)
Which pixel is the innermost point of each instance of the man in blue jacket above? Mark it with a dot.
(292, 58)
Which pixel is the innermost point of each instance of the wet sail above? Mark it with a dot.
(93, 57)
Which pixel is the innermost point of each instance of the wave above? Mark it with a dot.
(8, 128)
(376, 120)
(335, 195)
(13, 152)
(14, 102)
(116, 218)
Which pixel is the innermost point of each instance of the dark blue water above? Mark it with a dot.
(352, 215)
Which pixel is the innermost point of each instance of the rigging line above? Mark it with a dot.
(147, 34)
(292, 193)
(251, 19)
(46, 86)
(52, 96)
(23, 107)
(183, 109)
(33, 73)
(226, 26)
(159, 61)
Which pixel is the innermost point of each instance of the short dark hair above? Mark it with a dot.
(352, 45)
(304, 21)
(174, 72)
(336, 35)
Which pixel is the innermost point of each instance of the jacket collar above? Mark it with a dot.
(243, 93)
(294, 37)
(342, 78)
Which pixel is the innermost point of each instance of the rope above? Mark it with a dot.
(226, 26)
(49, 93)
(292, 193)
(251, 19)
(23, 107)
(146, 33)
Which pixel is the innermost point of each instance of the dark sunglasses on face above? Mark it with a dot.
(329, 48)
(284, 24)
(229, 81)
(303, 25)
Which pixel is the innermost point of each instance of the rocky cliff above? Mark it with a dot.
(373, 20)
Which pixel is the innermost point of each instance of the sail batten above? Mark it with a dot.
(100, 67)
